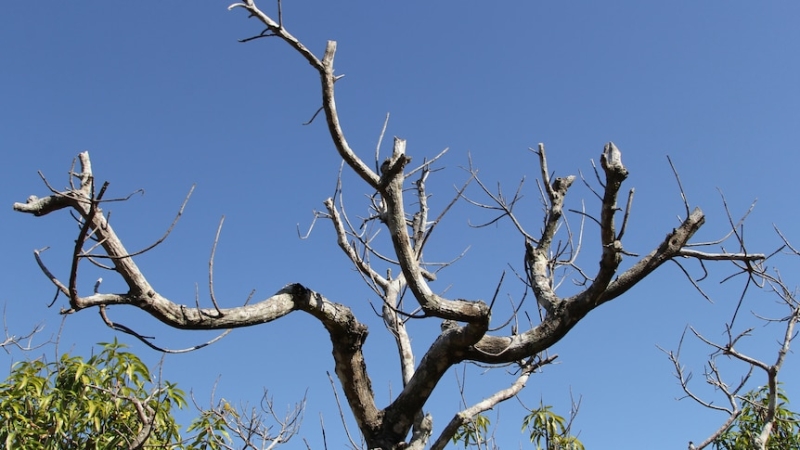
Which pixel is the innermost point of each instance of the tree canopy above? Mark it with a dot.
(106, 401)
(113, 400)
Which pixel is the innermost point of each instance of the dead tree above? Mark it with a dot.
(735, 393)
(465, 336)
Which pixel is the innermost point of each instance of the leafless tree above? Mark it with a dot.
(399, 207)
(734, 394)
(262, 428)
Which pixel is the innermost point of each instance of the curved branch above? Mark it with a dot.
(391, 188)
(327, 79)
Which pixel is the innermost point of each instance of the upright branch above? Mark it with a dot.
(464, 323)
(325, 69)
(542, 260)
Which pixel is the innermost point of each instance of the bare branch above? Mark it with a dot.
(490, 402)
(341, 412)
(211, 267)
(550, 257)
(680, 186)
(146, 339)
(378, 145)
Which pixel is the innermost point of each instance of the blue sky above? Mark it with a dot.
(163, 96)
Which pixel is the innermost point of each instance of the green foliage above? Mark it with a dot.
(549, 429)
(211, 431)
(92, 404)
(473, 432)
(110, 401)
(97, 404)
(785, 432)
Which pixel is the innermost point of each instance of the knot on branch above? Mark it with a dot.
(562, 184)
(392, 168)
(449, 325)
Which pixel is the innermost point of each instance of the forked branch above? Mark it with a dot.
(733, 395)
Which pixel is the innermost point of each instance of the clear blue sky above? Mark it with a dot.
(163, 96)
